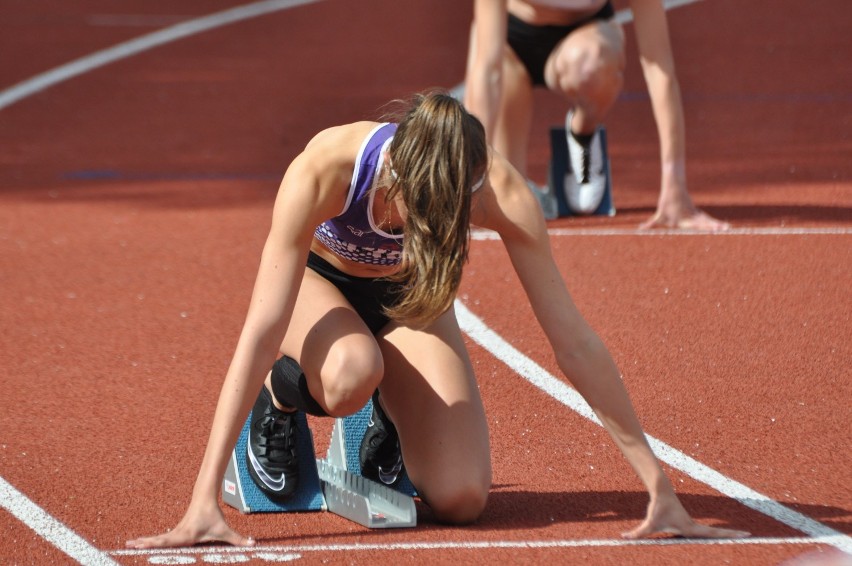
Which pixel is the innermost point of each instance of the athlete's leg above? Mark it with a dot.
(430, 393)
(587, 67)
(340, 358)
(514, 118)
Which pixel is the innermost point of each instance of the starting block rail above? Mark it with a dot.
(364, 501)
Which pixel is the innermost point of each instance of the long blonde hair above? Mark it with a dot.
(438, 154)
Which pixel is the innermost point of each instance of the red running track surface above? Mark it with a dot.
(135, 197)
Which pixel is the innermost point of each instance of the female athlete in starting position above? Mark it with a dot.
(369, 235)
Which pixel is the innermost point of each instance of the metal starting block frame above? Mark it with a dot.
(559, 173)
(351, 495)
(334, 483)
(346, 444)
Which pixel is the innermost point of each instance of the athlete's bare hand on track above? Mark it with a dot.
(668, 516)
(195, 528)
(693, 219)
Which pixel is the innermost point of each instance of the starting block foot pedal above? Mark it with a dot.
(345, 446)
(560, 176)
(239, 490)
(349, 494)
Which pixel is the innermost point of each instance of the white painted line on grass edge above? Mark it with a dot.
(476, 329)
(50, 529)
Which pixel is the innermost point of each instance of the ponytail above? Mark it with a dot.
(439, 154)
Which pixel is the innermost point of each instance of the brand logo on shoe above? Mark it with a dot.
(389, 476)
(270, 481)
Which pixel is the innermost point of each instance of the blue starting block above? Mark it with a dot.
(334, 483)
(239, 490)
(351, 431)
(560, 175)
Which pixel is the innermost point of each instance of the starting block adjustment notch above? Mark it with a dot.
(364, 501)
(349, 494)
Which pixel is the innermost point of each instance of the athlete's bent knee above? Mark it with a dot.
(459, 505)
(350, 384)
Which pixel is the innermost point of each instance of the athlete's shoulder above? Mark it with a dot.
(345, 135)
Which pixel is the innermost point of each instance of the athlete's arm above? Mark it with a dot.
(675, 207)
(484, 78)
(312, 190)
(508, 208)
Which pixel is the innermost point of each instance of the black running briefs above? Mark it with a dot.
(534, 44)
(367, 295)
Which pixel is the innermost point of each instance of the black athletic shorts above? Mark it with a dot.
(534, 44)
(367, 295)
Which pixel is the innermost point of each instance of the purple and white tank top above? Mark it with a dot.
(353, 233)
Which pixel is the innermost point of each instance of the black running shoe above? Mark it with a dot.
(380, 455)
(271, 457)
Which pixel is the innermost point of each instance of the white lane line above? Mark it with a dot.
(287, 551)
(483, 235)
(559, 390)
(129, 48)
(50, 529)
